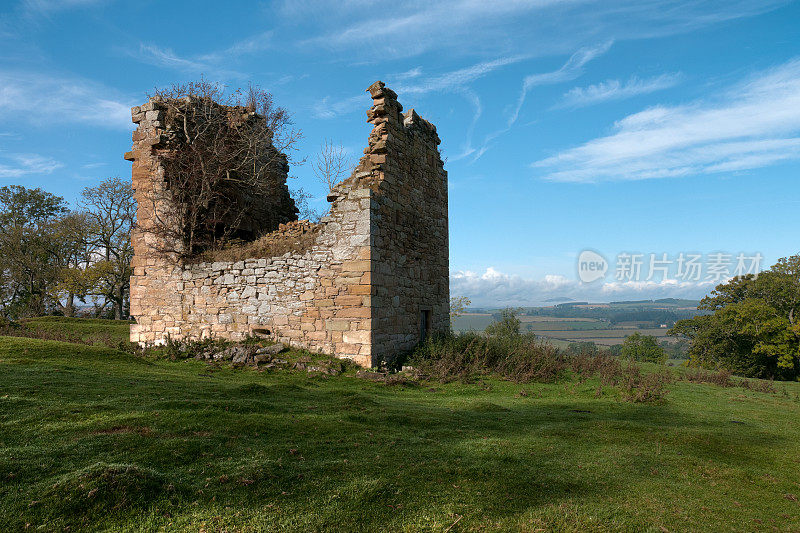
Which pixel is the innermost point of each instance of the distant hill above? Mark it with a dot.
(668, 302)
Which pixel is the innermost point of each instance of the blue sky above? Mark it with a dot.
(621, 126)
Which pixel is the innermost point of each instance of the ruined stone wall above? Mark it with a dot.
(376, 261)
(410, 249)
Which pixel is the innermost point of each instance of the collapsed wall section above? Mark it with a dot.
(318, 298)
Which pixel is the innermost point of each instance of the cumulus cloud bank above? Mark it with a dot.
(493, 288)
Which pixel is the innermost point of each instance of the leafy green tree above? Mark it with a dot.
(584, 347)
(31, 246)
(675, 350)
(754, 329)
(51, 256)
(643, 348)
(507, 326)
(615, 349)
(458, 306)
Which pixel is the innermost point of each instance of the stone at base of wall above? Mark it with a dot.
(143, 337)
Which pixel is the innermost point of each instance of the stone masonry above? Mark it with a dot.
(372, 284)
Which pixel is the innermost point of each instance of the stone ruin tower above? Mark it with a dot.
(373, 282)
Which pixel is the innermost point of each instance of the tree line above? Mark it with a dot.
(613, 315)
(754, 328)
(55, 256)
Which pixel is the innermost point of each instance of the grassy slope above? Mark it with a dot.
(241, 450)
(92, 330)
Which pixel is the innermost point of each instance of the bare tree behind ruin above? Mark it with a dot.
(332, 164)
(111, 212)
(222, 153)
(302, 200)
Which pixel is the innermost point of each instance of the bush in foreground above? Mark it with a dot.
(462, 357)
(523, 359)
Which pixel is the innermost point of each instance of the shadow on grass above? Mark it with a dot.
(289, 451)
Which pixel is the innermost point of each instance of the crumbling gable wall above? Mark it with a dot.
(410, 254)
(376, 268)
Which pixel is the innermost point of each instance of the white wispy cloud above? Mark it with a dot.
(165, 57)
(19, 19)
(455, 80)
(475, 101)
(543, 27)
(458, 79)
(251, 45)
(215, 63)
(753, 124)
(510, 31)
(495, 288)
(20, 165)
(568, 72)
(409, 74)
(50, 6)
(618, 90)
(420, 24)
(330, 108)
(44, 99)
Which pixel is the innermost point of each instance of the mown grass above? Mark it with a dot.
(84, 330)
(91, 438)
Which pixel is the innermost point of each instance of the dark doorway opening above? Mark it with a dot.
(424, 324)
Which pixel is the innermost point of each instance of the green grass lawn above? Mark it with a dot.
(94, 439)
(90, 330)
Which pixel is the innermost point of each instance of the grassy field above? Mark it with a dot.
(604, 337)
(472, 321)
(91, 438)
(479, 321)
(563, 331)
(552, 325)
(89, 330)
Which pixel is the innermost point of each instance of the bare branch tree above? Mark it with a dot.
(225, 162)
(110, 210)
(306, 212)
(332, 164)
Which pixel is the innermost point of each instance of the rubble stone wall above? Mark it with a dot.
(410, 254)
(377, 267)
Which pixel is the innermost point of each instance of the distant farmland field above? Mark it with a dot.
(571, 325)
(606, 337)
(472, 322)
(555, 319)
(479, 321)
(604, 333)
(563, 331)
